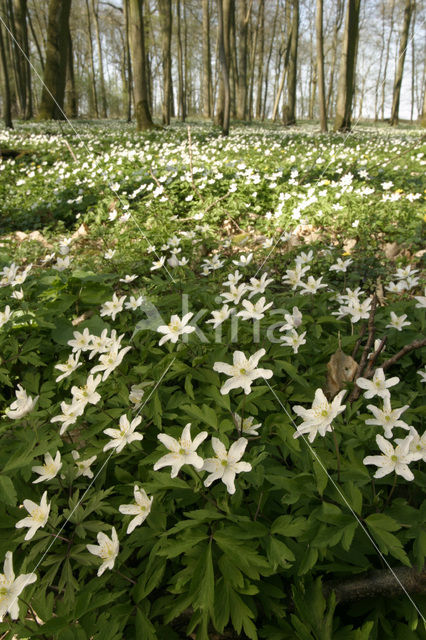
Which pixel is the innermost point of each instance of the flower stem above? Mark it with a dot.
(336, 446)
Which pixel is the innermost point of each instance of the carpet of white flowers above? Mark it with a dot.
(212, 382)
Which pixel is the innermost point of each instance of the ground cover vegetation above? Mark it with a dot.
(212, 383)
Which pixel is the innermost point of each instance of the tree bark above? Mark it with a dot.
(137, 51)
(337, 25)
(289, 111)
(70, 89)
(21, 52)
(345, 89)
(385, 69)
(243, 19)
(408, 10)
(52, 97)
(261, 20)
(268, 61)
(181, 76)
(166, 39)
(223, 8)
(92, 61)
(320, 66)
(104, 113)
(129, 83)
(207, 69)
(7, 107)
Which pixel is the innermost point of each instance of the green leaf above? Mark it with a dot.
(144, 627)
(279, 554)
(289, 526)
(202, 584)
(7, 491)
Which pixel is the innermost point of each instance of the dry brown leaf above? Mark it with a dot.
(341, 368)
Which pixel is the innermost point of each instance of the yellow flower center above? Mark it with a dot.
(394, 458)
(243, 372)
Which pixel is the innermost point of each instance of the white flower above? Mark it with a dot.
(175, 328)
(233, 279)
(134, 303)
(69, 366)
(140, 508)
(70, 413)
(182, 451)
(417, 446)
(81, 341)
(397, 322)
(378, 386)
(243, 260)
(358, 310)
(377, 344)
(157, 264)
(312, 286)
(11, 588)
(293, 320)
(393, 459)
(112, 307)
(303, 258)
(226, 464)
(422, 375)
(258, 286)
(109, 254)
(22, 405)
(294, 340)
(247, 425)
(341, 265)
(220, 316)
(62, 263)
(421, 304)
(294, 276)
(387, 418)
(319, 417)
(83, 466)
(124, 435)
(18, 294)
(243, 371)
(107, 549)
(405, 272)
(5, 315)
(87, 394)
(110, 361)
(128, 278)
(235, 293)
(102, 343)
(49, 469)
(39, 514)
(254, 311)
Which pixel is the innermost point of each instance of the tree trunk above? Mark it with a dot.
(207, 69)
(166, 39)
(261, 20)
(423, 118)
(268, 61)
(95, 9)
(345, 89)
(320, 66)
(289, 113)
(21, 55)
(137, 51)
(36, 42)
(129, 84)
(408, 10)
(243, 19)
(385, 69)
(7, 107)
(92, 61)
(71, 90)
(337, 25)
(52, 97)
(223, 8)
(181, 77)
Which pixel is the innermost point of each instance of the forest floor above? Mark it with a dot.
(305, 248)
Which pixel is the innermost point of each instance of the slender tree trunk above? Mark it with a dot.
(254, 32)
(70, 89)
(268, 61)
(385, 68)
(137, 50)
(345, 88)
(243, 19)
(223, 7)
(95, 9)
(423, 118)
(36, 41)
(181, 78)
(286, 38)
(231, 55)
(166, 39)
(408, 10)
(376, 92)
(7, 107)
(320, 66)
(289, 115)
(52, 97)
(207, 69)
(129, 83)
(337, 25)
(260, 62)
(92, 61)
(413, 65)
(21, 54)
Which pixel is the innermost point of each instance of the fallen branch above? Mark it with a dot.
(417, 344)
(378, 583)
